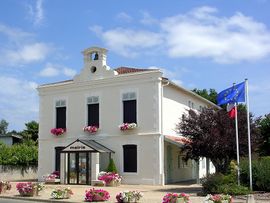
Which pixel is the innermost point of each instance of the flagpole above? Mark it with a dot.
(248, 128)
(237, 144)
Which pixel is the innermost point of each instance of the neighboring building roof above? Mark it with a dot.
(178, 140)
(124, 70)
(15, 136)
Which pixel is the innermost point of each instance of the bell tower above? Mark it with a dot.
(95, 65)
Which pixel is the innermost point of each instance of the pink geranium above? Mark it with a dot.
(94, 195)
(58, 131)
(172, 197)
(108, 177)
(90, 129)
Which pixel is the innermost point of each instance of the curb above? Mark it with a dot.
(35, 199)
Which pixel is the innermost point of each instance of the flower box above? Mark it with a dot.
(54, 177)
(58, 131)
(129, 196)
(176, 198)
(29, 188)
(218, 198)
(96, 195)
(90, 129)
(110, 179)
(61, 193)
(4, 186)
(127, 126)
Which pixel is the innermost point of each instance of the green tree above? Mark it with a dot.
(3, 127)
(31, 131)
(212, 135)
(111, 167)
(265, 132)
(210, 95)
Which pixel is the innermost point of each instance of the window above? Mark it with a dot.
(93, 111)
(130, 158)
(190, 104)
(129, 107)
(60, 114)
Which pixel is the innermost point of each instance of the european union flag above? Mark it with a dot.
(232, 95)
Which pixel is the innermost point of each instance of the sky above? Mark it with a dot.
(196, 43)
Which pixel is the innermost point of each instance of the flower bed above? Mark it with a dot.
(29, 188)
(58, 131)
(96, 195)
(127, 126)
(90, 129)
(218, 198)
(4, 186)
(110, 179)
(54, 177)
(129, 196)
(176, 198)
(61, 193)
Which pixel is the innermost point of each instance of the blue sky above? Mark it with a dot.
(198, 44)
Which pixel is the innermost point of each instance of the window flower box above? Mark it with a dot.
(29, 188)
(61, 193)
(110, 179)
(128, 196)
(4, 186)
(58, 131)
(176, 198)
(96, 195)
(218, 198)
(90, 129)
(127, 126)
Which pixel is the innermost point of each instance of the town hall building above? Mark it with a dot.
(127, 114)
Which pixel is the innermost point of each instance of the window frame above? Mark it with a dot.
(123, 159)
(94, 100)
(55, 106)
(133, 95)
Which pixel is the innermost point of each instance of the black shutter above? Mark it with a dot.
(130, 158)
(57, 157)
(61, 117)
(93, 115)
(130, 111)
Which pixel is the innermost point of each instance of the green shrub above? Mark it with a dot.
(260, 173)
(226, 184)
(111, 167)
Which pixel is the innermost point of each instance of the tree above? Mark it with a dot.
(210, 95)
(3, 127)
(265, 132)
(31, 131)
(212, 135)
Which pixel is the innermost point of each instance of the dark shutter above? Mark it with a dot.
(130, 158)
(93, 115)
(61, 117)
(130, 111)
(57, 157)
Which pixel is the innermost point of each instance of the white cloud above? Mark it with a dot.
(52, 70)
(124, 17)
(36, 12)
(18, 101)
(148, 19)
(200, 33)
(127, 42)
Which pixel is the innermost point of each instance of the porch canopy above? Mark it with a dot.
(81, 145)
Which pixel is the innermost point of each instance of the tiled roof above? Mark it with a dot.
(124, 70)
(178, 139)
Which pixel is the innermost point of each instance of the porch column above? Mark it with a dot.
(94, 166)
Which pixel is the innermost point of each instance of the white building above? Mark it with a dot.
(103, 97)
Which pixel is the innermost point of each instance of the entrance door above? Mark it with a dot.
(78, 168)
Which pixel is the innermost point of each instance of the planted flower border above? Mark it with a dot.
(29, 188)
(176, 198)
(90, 129)
(110, 178)
(61, 193)
(128, 196)
(58, 131)
(219, 198)
(127, 126)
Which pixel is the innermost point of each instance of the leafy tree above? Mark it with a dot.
(111, 167)
(3, 127)
(265, 132)
(212, 135)
(31, 131)
(210, 95)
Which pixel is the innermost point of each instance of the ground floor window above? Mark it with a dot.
(130, 158)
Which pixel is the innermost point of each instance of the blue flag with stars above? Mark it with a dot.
(233, 94)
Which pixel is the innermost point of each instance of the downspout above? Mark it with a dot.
(161, 129)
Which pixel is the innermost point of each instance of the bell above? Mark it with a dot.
(96, 56)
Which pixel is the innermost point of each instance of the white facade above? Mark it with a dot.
(159, 103)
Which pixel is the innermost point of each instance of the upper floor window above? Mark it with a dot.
(129, 107)
(60, 106)
(93, 111)
(130, 158)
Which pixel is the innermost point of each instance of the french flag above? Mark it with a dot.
(231, 110)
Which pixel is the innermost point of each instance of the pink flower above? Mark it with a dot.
(93, 195)
(91, 129)
(58, 131)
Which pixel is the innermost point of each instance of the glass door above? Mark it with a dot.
(79, 168)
